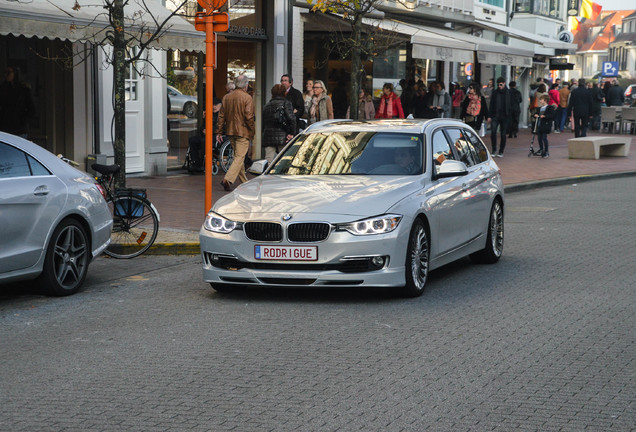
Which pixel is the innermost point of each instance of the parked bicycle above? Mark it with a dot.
(135, 219)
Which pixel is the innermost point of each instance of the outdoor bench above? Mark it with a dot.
(596, 146)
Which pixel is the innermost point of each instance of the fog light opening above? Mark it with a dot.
(378, 261)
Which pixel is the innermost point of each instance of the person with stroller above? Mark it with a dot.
(279, 122)
(474, 107)
(544, 117)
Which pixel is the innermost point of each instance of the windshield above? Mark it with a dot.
(371, 153)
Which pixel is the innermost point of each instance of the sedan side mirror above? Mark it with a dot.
(451, 168)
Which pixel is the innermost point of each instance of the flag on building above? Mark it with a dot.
(573, 24)
(590, 10)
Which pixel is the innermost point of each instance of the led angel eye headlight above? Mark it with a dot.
(216, 223)
(375, 225)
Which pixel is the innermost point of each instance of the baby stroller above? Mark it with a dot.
(531, 152)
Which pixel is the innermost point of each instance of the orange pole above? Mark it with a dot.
(209, 107)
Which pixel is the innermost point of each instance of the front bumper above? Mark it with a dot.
(344, 260)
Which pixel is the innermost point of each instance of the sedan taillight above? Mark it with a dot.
(101, 190)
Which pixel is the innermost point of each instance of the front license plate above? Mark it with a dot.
(286, 253)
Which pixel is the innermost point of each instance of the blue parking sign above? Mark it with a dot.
(610, 69)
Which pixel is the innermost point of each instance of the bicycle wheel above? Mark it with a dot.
(226, 155)
(135, 226)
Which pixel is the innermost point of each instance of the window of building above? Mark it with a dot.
(497, 3)
(548, 8)
(132, 80)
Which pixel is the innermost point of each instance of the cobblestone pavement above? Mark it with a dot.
(541, 341)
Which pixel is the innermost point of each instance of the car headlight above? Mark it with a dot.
(375, 225)
(216, 223)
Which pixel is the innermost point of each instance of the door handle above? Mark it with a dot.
(41, 190)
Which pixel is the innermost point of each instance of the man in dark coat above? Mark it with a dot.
(515, 103)
(616, 95)
(579, 105)
(500, 111)
(296, 98)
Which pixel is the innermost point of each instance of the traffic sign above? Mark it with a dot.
(610, 69)
(211, 5)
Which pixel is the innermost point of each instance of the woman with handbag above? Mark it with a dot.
(474, 107)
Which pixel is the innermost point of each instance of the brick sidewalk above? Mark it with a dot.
(179, 197)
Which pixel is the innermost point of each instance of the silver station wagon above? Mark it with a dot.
(359, 204)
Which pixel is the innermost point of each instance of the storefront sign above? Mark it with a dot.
(442, 53)
(504, 59)
(247, 32)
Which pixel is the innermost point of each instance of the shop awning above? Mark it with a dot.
(491, 52)
(529, 37)
(429, 45)
(63, 19)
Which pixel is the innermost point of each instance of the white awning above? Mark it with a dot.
(61, 19)
(529, 37)
(491, 52)
(429, 45)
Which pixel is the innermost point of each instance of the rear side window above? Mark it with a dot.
(16, 163)
(465, 151)
(478, 145)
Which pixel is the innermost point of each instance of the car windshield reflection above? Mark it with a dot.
(360, 153)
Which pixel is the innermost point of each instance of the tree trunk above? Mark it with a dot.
(119, 91)
(356, 68)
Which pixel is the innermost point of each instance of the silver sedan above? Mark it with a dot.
(360, 204)
(182, 103)
(53, 218)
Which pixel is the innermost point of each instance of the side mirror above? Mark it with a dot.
(451, 168)
(258, 167)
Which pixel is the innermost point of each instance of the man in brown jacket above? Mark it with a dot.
(236, 120)
(562, 111)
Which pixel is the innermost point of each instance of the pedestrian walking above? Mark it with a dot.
(615, 95)
(390, 104)
(16, 104)
(279, 122)
(499, 111)
(562, 112)
(296, 98)
(555, 100)
(366, 110)
(321, 106)
(458, 98)
(474, 107)
(596, 94)
(579, 107)
(236, 120)
(545, 118)
(515, 107)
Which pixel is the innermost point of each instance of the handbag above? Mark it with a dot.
(469, 119)
(482, 130)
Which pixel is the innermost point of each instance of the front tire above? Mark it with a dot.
(66, 261)
(190, 110)
(417, 260)
(494, 243)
